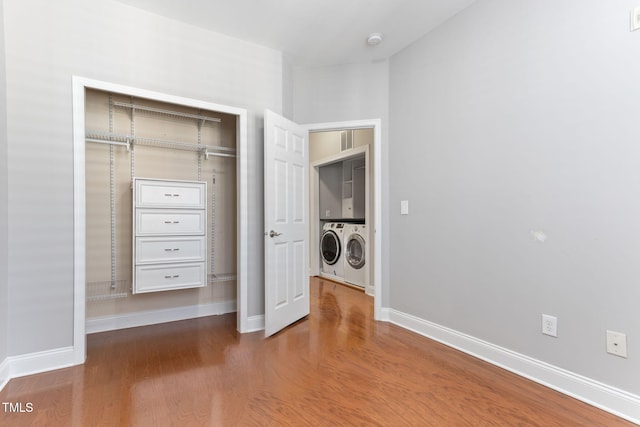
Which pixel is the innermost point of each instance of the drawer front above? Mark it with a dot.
(169, 249)
(162, 194)
(165, 277)
(156, 222)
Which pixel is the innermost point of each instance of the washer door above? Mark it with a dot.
(330, 247)
(354, 252)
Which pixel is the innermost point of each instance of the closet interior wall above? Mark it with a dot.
(163, 146)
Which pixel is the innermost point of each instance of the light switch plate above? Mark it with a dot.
(404, 207)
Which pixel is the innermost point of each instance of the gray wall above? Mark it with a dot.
(516, 117)
(4, 286)
(349, 92)
(48, 42)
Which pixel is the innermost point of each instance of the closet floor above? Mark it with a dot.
(336, 367)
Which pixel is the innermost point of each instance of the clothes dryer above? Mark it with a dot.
(356, 266)
(332, 250)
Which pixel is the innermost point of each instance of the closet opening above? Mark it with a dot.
(161, 210)
(161, 234)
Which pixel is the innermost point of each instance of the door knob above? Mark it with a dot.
(274, 233)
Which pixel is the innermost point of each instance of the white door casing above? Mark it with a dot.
(286, 206)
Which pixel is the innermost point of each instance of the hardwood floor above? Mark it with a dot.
(337, 367)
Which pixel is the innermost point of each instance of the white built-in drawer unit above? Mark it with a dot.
(170, 235)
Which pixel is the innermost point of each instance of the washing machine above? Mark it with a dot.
(332, 250)
(356, 266)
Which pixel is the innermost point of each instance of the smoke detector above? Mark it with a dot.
(374, 39)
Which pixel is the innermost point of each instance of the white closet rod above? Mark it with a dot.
(102, 141)
(207, 150)
(167, 112)
(210, 153)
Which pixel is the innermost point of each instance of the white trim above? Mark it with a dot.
(385, 315)
(242, 173)
(255, 323)
(79, 220)
(79, 85)
(5, 373)
(343, 155)
(153, 317)
(43, 361)
(618, 402)
(377, 194)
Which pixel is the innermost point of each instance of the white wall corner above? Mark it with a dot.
(385, 314)
(255, 323)
(152, 317)
(618, 402)
(5, 373)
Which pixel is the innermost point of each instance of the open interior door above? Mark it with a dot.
(286, 218)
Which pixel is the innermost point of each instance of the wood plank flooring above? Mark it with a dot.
(336, 367)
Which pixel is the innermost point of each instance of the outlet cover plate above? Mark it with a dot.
(550, 325)
(617, 343)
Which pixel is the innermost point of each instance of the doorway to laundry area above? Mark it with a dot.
(342, 148)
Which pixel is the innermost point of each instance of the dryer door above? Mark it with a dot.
(330, 247)
(354, 252)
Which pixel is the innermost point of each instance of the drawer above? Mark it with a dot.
(170, 249)
(165, 277)
(173, 194)
(158, 222)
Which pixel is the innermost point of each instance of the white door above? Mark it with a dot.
(286, 218)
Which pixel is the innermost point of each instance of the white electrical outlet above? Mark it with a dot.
(617, 343)
(549, 325)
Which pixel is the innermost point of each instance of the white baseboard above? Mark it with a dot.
(5, 373)
(255, 323)
(385, 314)
(618, 402)
(144, 318)
(34, 363)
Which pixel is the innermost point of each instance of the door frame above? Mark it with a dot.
(79, 86)
(375, 231)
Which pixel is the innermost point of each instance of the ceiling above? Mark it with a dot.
(314, 32)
